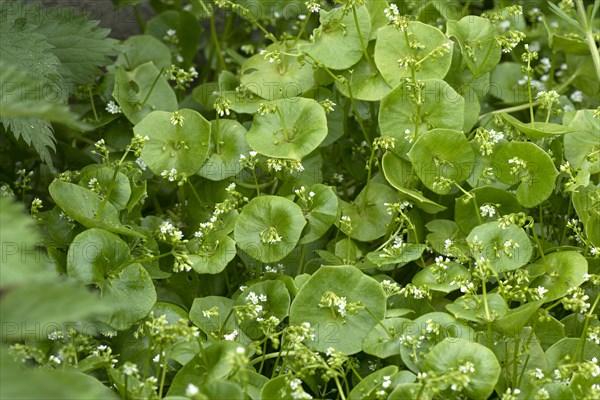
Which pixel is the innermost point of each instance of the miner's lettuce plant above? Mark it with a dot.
(351, 199)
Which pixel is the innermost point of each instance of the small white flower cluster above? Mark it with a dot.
(253, 307)
(191, 390)
(222, 106)
(393, 15)
(390, 288)
(399, 208)
(181, 77)
(384, 142)
(231, 336)
(249, 162)
(518, 165)
(313, 6)
(113, 108)
(297, 391)
(487, 140)
(327, 105)
(173, 176)
(271, 56)
(279, 164)
(511, 394)
(409, 136)
(177, 118)
(305, 198)
(279, 268)
(421, 292)
(339, 305)
(395, 250)
(346, 223)
(270, 236)
(6, 191)
(168, 232)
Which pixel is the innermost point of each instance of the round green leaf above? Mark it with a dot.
(370, 385)
(442, 108)
(143, 90)
(297, 128)
(344, 333)
(445, 283)
(505, 77)
(94, 254)
(367, 213)
(384, 343)
(207, 322)
(535, 180)
(477, 39)
(564, 271)
(450, 354)
(183, 147)
(506, 248)
(442, 153)
(582, 142)
(320, 212)
(409, 252)
(211, 255)
(132, 291)
(466, 208)
(400, 175)
(224, 159)
(269, 227)
(276, 305)
(365, 81)
(120, 189)
(274, 80)
(141, 49)
(83, 206)
(472, 308)
(336, 42)
(565, 351)
(392, 45)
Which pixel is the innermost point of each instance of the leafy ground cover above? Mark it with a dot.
(356, 199)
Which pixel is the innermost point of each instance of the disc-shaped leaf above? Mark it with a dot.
(344, 333)
(477, 39)
(467, 208)
(382, 379)
(565, 350)
(183, 147)
(277, 304)
(224, 159)
(400, 175)
(506, 248)
(297, 128)
(530, 167)
(211, 255)
(442, 154)
(442, 108)
(119, 188)
(383, 340)
(407, 253)
(133, 292)
(393, 45)
(277, 80)
(209, 313)
(445, 282)
(564, 271)
(143, 90)
(320, 213)
(506, 77)
(451, 354)
(336, 42)
(269, 227)
(141, 49)
(94, 254)
(368, 213)
(365, 81)
(472, 308)
(86, 207)
(583, 141)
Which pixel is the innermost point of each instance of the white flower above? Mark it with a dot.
(191, 390)
(141, 163)
(496, 136)
(447, 244)
(113, 108)
(541, 291)
(386, 382)
(130, 369)
(576, 96)
(231, 337)
(594, 251)
(171, 32)
(313, 6)
(54, 359)
(487, 210)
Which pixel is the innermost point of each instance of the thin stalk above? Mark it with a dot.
(163, 374)
(92, 103)
(285, 131)
(215, 39)
(271, 355)
(589, 36)
(581, 343)
(152, 87)
(360, 38)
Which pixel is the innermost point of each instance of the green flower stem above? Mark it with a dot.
(285, 131)
(301, 31)
(147, 259)
(194, 192)
(262, 359)
(270, 356)
(537, 241)
(92, 103)
(379, 322)
(414, 81)
(339, 387)
(529, 95)
(143, 103)
(163, 373)
(300, 270)
(471, 197)
(217, 135)
(226, 321)
(215, 39)
(589, 36)
(360, 38)
(582, 339)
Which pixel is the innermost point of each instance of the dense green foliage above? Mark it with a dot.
(351, 199)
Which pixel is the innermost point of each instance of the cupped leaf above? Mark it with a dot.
(368, 213)
(86, 207)
(398, 116)
(399, 173)
(277, 80)
(277, 304)
(467, 208)
(442, 155)
(479, 309)
(537, 130)
(477, 39)
(445, 282)
(94, 254)
(343, 331)
(269, 227)
(119, 188)
(506, 248)
(530, 167)
(224, 160)
(383, 340)
(451, 354)
(427, 45)
(209, 315)
(294, 130)
(182, 146)
(583, 141)
(211, 255)
(564, 271)
(508, 85)
(142, 49)
(398, 257)
(143, 90)
(380, 380)
(132, 290)
(337, 41)
(366, 82)
(321, 211)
